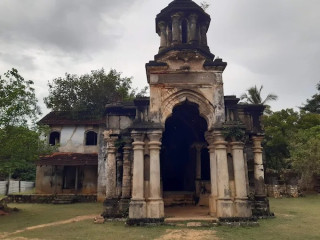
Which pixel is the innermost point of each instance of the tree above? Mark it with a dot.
(88, 92)
(313, 104)
(305, 153)
(253, 96)
(293, 142)
(18, 102)
(279, 128)
(19, 145)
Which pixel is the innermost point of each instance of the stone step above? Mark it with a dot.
(61, 202)
(190, 219)
(178, 198)
(64, 199)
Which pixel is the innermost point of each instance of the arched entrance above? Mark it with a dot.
(183, 163)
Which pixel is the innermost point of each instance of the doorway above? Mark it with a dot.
(183, 129)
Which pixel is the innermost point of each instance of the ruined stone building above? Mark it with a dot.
(185, 144)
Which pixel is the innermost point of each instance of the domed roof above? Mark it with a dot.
(186, 6)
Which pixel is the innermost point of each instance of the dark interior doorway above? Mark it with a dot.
(178, 162)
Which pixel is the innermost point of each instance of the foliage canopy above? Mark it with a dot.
(88, 92)
(20, 146)
(18, 102)
(293, 142)
(313, 104)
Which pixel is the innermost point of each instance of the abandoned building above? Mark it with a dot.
(185, 144)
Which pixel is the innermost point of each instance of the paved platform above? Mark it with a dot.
(188, 213)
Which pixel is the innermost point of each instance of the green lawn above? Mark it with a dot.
(295, 219)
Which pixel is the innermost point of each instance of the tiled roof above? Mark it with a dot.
(66, 118)
(68, 159)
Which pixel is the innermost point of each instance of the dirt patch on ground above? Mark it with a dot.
(284, 215)
(188, 234)
(75, 219)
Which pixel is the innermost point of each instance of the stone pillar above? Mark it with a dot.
(193, 34)
(176, 28)
(155, 205)
(111, 201)
(224, 203)
(163, 34)
(111, 169)
(213, 175)
(137, 208)
(169, 35)
(259, 185)
(242, 207)
(198, 148)
(119, 174)
(203, 34)
(126, 177)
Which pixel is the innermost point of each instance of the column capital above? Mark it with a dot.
(155, 136)
(137, 136)
(209, 137)
(177, 16)
(237, 145)
(162, 25)
(219, 140)
(257, 140)
(193, 17)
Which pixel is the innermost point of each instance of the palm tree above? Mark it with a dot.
(253, 96)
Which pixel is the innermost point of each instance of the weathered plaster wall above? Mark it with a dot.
(90, 180)
(50, 180)
(72, 139)
(118, 122)
(186, 79)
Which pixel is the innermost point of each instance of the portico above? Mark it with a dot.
(185, 144)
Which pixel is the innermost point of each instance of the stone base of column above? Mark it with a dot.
(111, 208)
(155, 208)
(124, 206)
(224, 208)
(261, 208)
(137, 209)
(242, 208)
(212, 206)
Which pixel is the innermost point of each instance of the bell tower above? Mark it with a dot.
(183, 24)
(184, 68)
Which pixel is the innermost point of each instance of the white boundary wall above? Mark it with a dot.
(15, 186)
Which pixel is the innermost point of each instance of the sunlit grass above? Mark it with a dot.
(295, 219)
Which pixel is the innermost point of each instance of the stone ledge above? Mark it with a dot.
(144, 221)
(47, 198)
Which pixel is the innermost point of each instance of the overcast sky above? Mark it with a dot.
(275, 43)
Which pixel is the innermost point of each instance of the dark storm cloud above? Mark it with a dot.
(67, 25)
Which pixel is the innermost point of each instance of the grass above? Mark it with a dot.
(295, 219)
(36, 214)
(28, 192)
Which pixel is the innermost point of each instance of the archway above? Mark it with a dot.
(183, 130)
